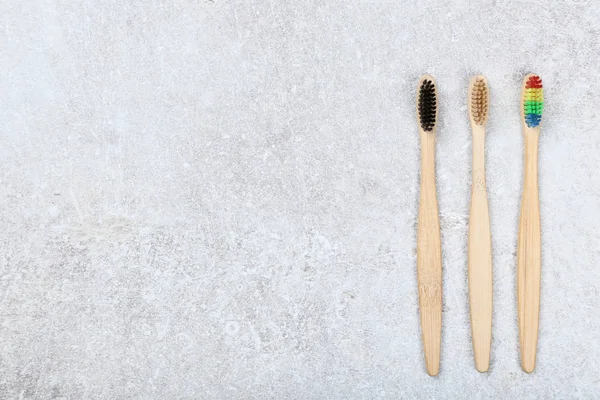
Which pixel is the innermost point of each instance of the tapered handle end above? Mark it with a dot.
(434, 369)
(528, 365)
(482, 365)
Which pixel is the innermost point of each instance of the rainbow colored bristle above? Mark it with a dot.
(533, 101)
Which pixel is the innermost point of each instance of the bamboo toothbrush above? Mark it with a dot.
(480, 243)
(529, 246)
(429, 253)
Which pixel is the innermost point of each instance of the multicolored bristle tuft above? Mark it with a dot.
(533, 101)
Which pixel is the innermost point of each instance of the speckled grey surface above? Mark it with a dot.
(217, 199)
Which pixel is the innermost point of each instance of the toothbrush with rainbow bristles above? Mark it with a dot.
(529, 245)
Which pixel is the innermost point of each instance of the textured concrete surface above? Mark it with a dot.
(217, 199)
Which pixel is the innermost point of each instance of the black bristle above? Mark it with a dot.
(427, 105)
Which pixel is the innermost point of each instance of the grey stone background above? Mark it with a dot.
(217, 199)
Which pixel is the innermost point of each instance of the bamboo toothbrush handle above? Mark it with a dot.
(429, 258)
(529, 256)
(480, 258)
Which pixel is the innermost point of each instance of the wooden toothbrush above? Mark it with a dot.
(529, 246)
(480, 242)
(429, 252)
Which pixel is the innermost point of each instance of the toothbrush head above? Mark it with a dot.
(478, 100)
(533, 101)
(427, 104)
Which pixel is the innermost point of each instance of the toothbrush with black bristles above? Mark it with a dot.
(429, 252)
(529, 252)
